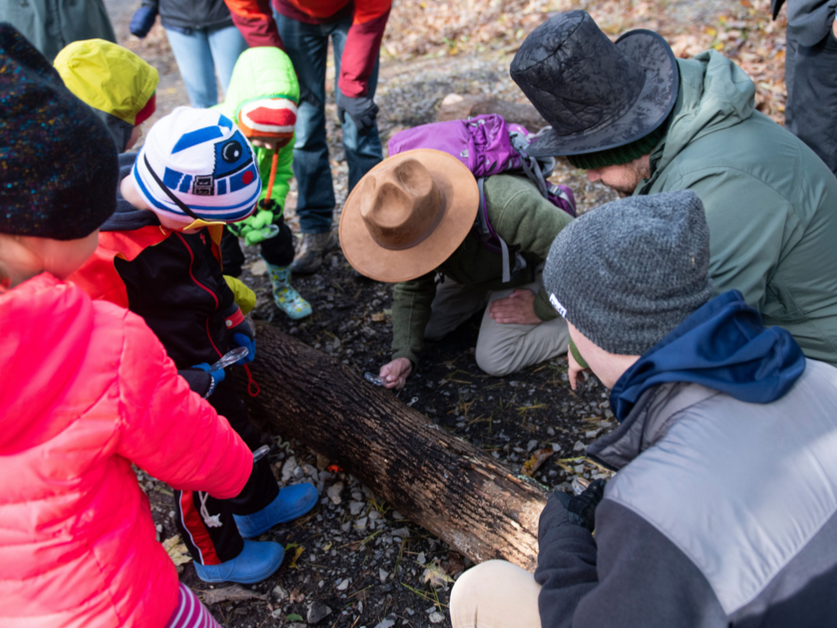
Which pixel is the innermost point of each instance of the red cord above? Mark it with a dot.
(252, 386)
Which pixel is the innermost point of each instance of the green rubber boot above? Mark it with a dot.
(286, 298)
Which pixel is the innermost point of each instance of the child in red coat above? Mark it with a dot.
(87, 387)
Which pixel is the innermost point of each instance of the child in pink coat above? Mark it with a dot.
(87, 387)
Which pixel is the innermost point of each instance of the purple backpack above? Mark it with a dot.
(488, 145)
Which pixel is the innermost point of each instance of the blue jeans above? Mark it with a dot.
(200, 55)
(307, 46)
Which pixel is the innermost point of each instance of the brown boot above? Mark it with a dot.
(314, 246)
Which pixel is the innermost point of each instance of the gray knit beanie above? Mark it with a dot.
(645, 264)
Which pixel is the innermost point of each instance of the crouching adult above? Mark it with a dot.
(723, 508)
(410, 221)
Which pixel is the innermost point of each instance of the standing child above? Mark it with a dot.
(262, 101)
(159, 256)
(87, 387)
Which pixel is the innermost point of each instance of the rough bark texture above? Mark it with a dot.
(440, 482)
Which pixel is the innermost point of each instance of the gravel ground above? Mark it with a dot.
(354, 561)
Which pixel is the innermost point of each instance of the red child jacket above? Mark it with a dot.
(87, 390)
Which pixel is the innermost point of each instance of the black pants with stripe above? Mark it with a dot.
(206, 524)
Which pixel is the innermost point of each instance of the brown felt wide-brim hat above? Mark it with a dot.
(388, 196)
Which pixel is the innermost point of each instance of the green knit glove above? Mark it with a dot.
(258, 227)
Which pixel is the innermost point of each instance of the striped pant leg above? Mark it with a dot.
(190, 612)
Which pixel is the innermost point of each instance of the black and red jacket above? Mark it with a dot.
(173, 280)
(369, 20)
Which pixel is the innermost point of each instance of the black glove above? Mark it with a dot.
(581, 509)
(142, 21)
(362, 110)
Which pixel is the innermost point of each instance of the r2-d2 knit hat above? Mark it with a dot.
(58, 165)
(645, 270)
(195, 164)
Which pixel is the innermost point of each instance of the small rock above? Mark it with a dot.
(279, 593)
(355, 508)
(421, 559)
(357, 496)
(317, 612)
(436, 617)
(401, 533)
(343, 585)
(360, 524)
(409, 611)
(388, 622)
(334, 493)
(550, 431)
(288, 469)
(579, 446)
(277, 613)
(532, 444)
(383, 575)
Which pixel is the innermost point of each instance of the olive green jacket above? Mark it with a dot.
(52, 24)
(519, 215)
(771, 203)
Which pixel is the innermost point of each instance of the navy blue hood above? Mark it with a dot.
(724, 346)
(127, 217)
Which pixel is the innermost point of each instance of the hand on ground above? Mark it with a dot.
(394, 374)
(518, 308)
(575, 370)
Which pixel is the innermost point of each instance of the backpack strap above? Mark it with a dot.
(486, 234)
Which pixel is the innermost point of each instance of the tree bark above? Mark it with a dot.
(436, 480)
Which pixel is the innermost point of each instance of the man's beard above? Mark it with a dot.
(640, 169)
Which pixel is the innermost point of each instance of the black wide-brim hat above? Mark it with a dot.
(596, 94)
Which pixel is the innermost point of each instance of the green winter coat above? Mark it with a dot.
(771, 203)
(52, 24)
(519, 215)
(264, 73)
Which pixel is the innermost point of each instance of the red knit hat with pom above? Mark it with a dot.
(268, 118)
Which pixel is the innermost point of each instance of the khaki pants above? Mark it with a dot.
(495, 594)
(502, 348)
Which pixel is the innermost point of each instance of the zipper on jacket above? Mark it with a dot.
(200, 285)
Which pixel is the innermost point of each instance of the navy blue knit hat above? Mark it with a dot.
(58, 163)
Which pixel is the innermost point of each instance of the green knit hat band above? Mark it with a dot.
(620, 154)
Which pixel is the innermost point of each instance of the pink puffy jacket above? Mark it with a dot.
(86, 390)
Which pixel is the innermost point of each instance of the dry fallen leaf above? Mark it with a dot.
(233, 593)
(535, 462)
(176, 550)
(298, 549)
(435, 575)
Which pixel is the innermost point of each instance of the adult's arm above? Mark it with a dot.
(411, 301)
(524, 218)
(254, 18)
(168, 430)
(363, 44)
(809, 21)
(629, 576)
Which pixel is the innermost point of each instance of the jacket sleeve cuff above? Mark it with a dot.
(199, 381)
(542, 307)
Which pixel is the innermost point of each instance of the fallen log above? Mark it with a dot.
(447, 486)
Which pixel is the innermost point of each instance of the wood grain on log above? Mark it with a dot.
(436, 480)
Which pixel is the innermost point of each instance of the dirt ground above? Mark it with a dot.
(354, 562)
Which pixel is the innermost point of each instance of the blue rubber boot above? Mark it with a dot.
(256, 562)
(292, 502)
